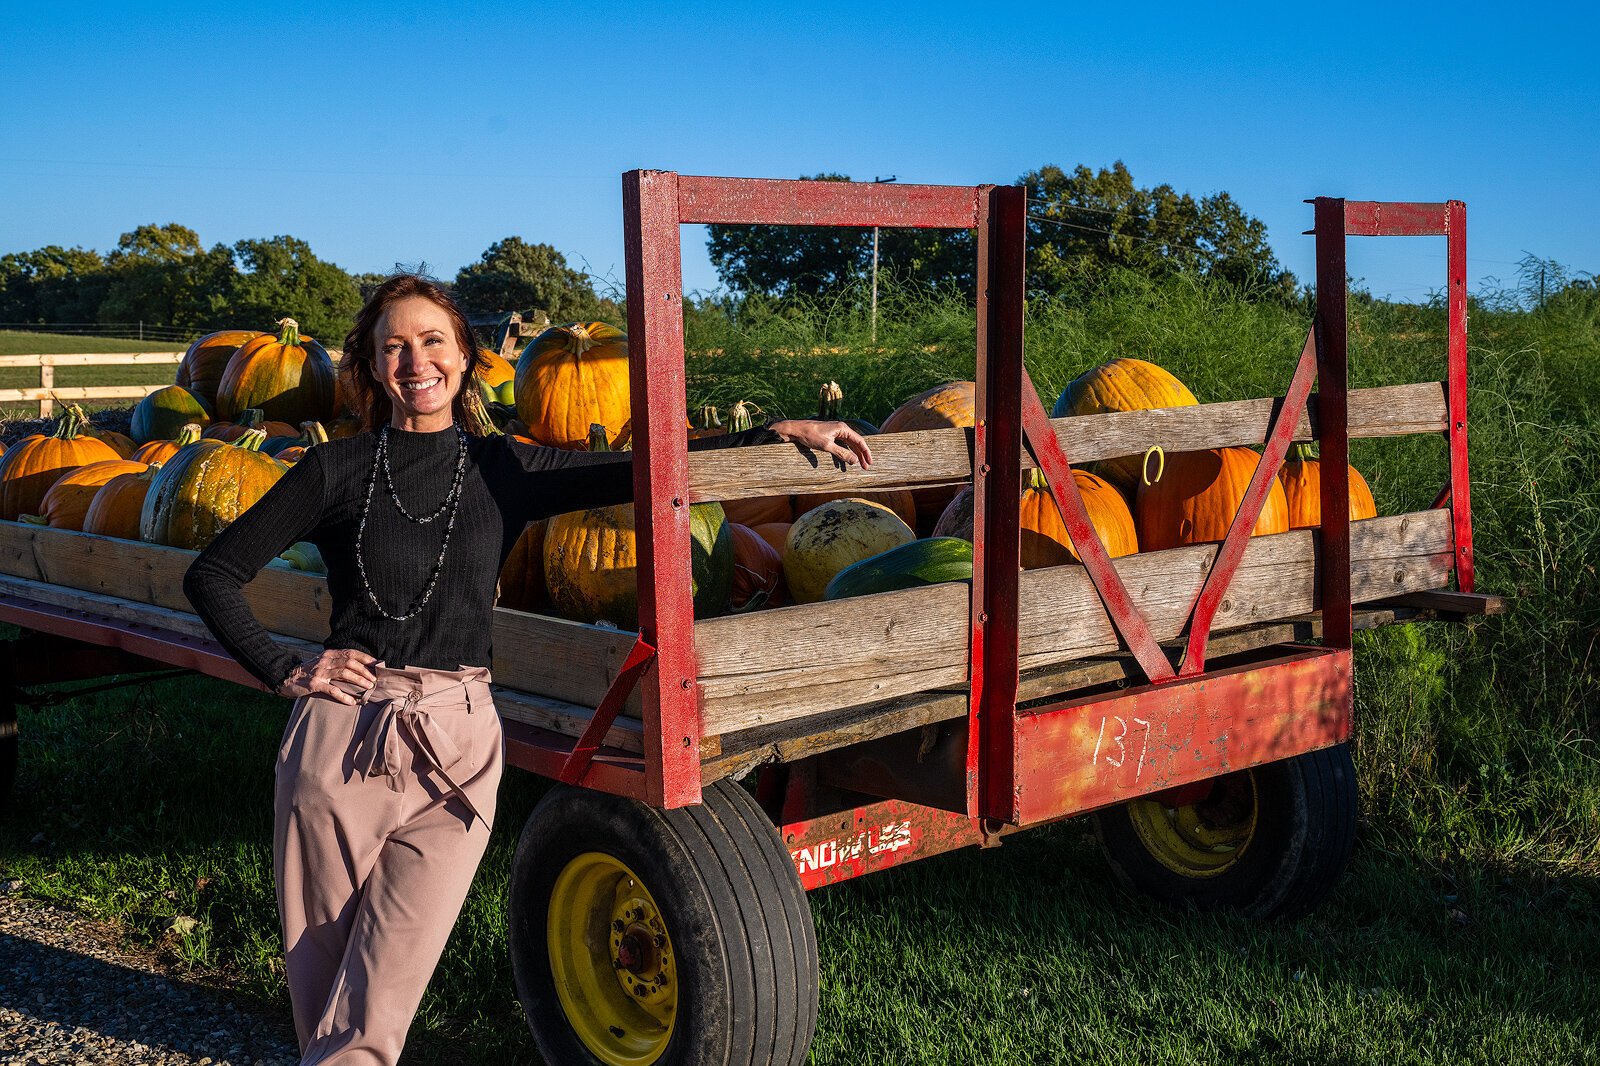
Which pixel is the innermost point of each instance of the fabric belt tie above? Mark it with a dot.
(400, 726)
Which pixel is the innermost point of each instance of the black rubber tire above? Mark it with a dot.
(10, 741)
(1305, 829)
(737, 916)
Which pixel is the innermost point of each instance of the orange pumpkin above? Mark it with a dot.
(120, 443)
(522, 576)
(253, 418)
(775, 534)
(68, 500)
(571, 377)
(942, 407)
(494, 369)
(1301, 478)
(1197, 496)
(287, 376)
(34, 463)
(201, 369)
(197, 493)
(1044, 536)
(159, 451)
(1121, 385)
(114, 511)
(757, 571)
(760, 510)
(312, 434)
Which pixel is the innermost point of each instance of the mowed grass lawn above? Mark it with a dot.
(13, 342)
(1466, 930)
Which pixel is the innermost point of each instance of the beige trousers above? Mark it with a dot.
(382, 813)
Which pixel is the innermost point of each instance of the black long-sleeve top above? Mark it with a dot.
(507, 484)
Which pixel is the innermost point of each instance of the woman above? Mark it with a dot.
(387, 773)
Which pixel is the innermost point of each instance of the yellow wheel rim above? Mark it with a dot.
(1201, 839)
(614, 966)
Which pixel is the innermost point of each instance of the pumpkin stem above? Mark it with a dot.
(1037, 481)
(188, 434)
(251, 417)
(35, 520)
(581, 340)
(289, 335)
(252, 440)
(829, 401)
(597, 438)
(740, 418)
(313, 433)
(710, 418)
(479, 421)
(1303, 451)
(73, 422)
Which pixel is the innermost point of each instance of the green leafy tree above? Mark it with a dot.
(277, 276)
(158, 274)
(513, 275)
(52, 284)
(1085, 220)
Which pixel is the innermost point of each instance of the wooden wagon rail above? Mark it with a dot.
(47, 392)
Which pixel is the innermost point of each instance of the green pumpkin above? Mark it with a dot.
(198, 492)
(163, 414)
(931, 561)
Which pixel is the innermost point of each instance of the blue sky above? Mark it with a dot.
(399, 132)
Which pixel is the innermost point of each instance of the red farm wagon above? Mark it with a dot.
(1195, 702)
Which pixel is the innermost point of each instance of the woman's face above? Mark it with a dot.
(419, 363)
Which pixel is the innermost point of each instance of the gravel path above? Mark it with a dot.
(70, 992)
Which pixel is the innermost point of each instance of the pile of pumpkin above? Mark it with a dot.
(246, 405)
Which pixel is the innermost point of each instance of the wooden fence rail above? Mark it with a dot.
(48, 392)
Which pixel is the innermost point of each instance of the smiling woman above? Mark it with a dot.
(387, 773)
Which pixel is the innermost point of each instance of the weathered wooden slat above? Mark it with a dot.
(789, 741)
(944, 456)
(565, 661)
(557, 715)
(93, 359)
(798, 661)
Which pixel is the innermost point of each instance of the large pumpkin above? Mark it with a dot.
(1301, 478)
(120, 443)
(591, 559)
(942, 407)
(902, 502)
(826, 539)
(757, 571)
(774, 533)
(68, 500)
(1121, 385)
(201, 369)
(571, 377)
(203, 488)
(34, 463)
(287, 376)
(1197, 496)
(163, 414)
(522, 575)
(159, 451)
(116, 507)
(1044, 536)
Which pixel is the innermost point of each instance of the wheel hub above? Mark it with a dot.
(1203, 838)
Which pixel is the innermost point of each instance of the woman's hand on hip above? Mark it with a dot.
(835, 438)
(321, 676)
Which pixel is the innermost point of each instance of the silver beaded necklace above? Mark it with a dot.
(451, 505)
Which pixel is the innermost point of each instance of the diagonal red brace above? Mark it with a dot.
(1226, 564)
(1130, 623)
(582, 753)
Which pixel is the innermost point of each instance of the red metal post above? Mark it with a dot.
(1370, 218)
(1460, 484)
(1333, 426)
(997, 486)
(661, 484)
(1231, 553)
(1130, 624)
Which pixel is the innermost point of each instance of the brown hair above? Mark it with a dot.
(365, 396)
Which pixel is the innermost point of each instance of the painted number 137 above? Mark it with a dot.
(1114, 739)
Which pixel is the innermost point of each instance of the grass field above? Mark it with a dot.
(1465, 931)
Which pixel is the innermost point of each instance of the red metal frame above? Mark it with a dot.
(1022, 768)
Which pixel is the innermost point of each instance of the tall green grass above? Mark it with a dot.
(1465, 931)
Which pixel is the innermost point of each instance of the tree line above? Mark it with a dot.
(1081, 222)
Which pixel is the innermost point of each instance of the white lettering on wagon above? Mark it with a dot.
(1120, 745)
(876, 841)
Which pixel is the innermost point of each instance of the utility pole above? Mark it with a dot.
(876, 181)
